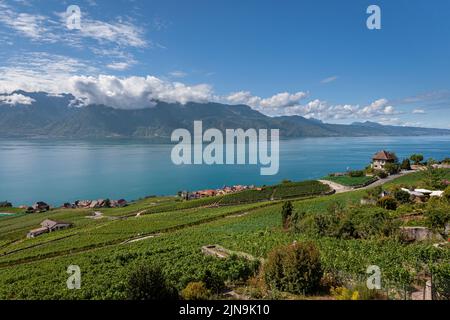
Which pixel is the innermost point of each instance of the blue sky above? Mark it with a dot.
(310, 58)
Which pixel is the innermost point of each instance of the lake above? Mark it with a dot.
(64, 171)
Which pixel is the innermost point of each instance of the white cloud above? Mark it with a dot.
(15, 99)
(119, 66)
(280, 100)
(33, 26)
(178, 74)
(136, 92)
(38, 27)
(418, 111)
(40, 71)
(121, 33)
(329, 79)
(377, 108)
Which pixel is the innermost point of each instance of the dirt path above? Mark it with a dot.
(342, 189)
(339, 188)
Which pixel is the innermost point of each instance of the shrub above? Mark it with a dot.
(286, 213)
(5, 204)
(441, 281)
(294, 268)
(374, 193)
(392, 168)
(402, 196)
(213, 281)
(356, 173)
(447, 194)
(381, 174)
(147, 282)
(388, 203)
(342, 293)
(406, 164)
(195, 291)
(437, 218)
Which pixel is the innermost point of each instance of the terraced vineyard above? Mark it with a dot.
(172, 234)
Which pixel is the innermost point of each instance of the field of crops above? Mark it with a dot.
(300, 189)
(98, 247)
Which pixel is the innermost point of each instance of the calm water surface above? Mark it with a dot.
(62, 171)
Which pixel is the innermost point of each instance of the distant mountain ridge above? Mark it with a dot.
(51, 116)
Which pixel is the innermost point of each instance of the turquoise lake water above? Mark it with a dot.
(63, 171)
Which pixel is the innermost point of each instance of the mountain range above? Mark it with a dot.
(54, 116)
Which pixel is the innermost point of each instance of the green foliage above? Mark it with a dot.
(437, 215)
(195, 291)
(213, 281)
(294, 268)
(381, 174)
(416, 158)
(300, 189)
(356, 173)
(392, 168)
(147, 282)
(434, 177)
(441, 281)
(374, 193)
(401, 196)
(286, 213)
(388, 203)
(35, 268)
(406, 164)
(447, 194)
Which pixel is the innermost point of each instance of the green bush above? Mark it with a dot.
(286, 213)
(294, 268)
(416, 158)
(402, 196)
(392, 168)
(441, 281)
(447, 194)
(147, 282)
(195, 291)
(388, 203)
(356, 173)
(406, 164)
(438, 217)
(213, 281)
(381, 174)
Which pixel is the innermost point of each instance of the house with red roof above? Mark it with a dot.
(382, 158)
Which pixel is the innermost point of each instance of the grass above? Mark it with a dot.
(36, 268)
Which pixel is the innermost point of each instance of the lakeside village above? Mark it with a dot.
(385, 166)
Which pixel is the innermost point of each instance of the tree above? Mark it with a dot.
(416, 158)
(392, 168)
(147, 282)
(286, 213)
(406, 164)
(294, 268)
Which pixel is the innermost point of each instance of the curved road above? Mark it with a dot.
(341, 189)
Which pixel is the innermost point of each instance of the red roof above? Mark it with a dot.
(384, 155)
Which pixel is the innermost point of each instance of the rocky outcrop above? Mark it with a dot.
(413, 234)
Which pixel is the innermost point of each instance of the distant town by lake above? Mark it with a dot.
(58, 171)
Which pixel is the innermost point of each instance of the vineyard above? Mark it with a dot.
(172, 233)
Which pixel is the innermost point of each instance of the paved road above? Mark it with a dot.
(342, 189)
